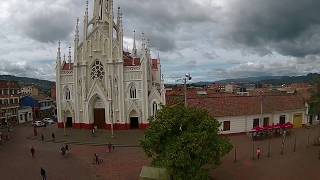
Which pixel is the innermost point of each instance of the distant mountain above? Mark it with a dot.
(274, 80)
(44, 85)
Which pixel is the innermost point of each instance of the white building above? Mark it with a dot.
(29, 91)
(25, 114)
(239, 114)
(105, 86)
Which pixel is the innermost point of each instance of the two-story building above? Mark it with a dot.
(9, 102)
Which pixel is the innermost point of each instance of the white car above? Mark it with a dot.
(48, 121)
(38, 124)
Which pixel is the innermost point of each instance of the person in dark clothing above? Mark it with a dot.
(43, 174)
(109, 147)
(96, 158)
(53, 136)
(32, 150)
(67, 147)
(63, 150)
(42, 137)
(258, 152)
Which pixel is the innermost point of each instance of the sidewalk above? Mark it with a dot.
(128, 138)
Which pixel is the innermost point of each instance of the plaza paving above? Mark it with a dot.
(127, 159)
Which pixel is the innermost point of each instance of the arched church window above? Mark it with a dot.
(154, 108)
(97, 71)
(133, 92)
(67, 94)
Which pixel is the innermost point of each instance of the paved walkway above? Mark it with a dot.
(16, 162)
(125, 163)
(84, 137)
(301, 164)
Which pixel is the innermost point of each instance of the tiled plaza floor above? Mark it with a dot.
(125, 162)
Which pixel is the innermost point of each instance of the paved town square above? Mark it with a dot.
(125, 162)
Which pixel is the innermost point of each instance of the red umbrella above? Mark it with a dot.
(288, 125)
(268, 128)
(277, 126)
(258, 129)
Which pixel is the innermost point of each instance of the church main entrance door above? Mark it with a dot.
(99, 118)
(69, 122)
(134, 123)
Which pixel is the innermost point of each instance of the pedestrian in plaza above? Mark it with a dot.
(53, 137)
(109, 147)
(93, 131)
(96, 158)
(258, 152)
(42, 137)
(67, 147)
(43, 174)
(0, 137)
(63, 150)
(32, 150)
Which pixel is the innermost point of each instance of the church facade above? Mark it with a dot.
(103, 86)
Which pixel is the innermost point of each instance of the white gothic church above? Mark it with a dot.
(104, 86)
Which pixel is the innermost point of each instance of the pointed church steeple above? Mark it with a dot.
(134, 49)
(76, 36)
(69, 56)
(59, 51)
(86, 21)
(143, 43)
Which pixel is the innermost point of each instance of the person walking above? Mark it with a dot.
(109, 147)
(63, 150)
(53, 137)
(32, 150)
(96, 158)
(42, 137)
(258, 152)
(43, 174)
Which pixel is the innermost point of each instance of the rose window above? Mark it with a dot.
(97, 71)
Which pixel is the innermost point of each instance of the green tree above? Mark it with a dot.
(185, 141)
(315, 99)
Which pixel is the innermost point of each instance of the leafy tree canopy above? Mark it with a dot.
(315, 99)
(185, 140)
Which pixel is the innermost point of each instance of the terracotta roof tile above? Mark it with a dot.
(247, 105)
(67, 66)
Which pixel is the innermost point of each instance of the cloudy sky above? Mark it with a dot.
(211, 39)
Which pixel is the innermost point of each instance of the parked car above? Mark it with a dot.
(48, 121)
(38, 123)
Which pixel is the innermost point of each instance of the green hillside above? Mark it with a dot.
(44, 85)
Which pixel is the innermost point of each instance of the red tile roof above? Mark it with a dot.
(154, 64)
(129, 61)
(247, 105)
(7, 84)
(67, 66)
